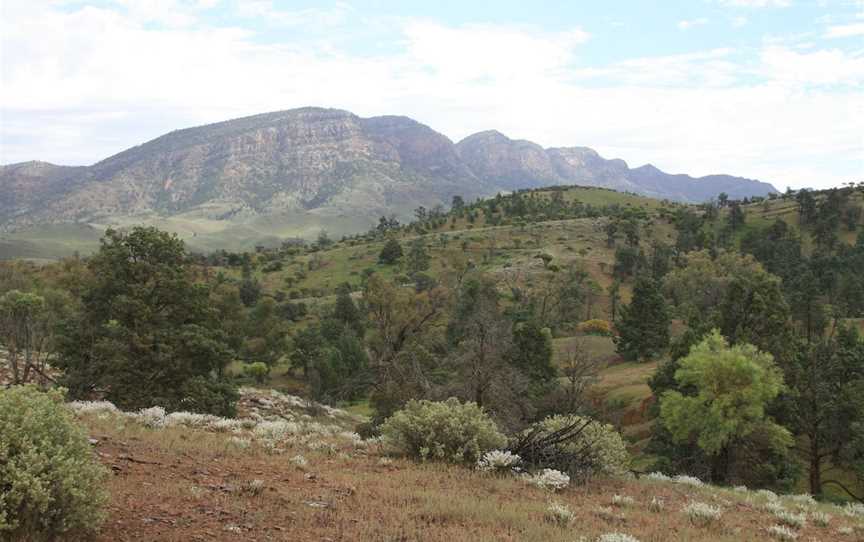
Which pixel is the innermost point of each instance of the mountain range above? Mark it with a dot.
(295, 172)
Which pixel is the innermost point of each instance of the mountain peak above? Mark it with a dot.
(315, 167)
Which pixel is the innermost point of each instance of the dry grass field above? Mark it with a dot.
(183, 483)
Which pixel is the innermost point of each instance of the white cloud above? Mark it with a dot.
(740, 21)
(87, 82)
(823, 67)
(688, 24)
(845, 30)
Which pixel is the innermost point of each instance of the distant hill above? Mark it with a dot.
(293, 173)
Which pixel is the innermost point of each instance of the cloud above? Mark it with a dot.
(86, 82)
(740, 21)
(845, 30)
(688, 24)
(818, 68)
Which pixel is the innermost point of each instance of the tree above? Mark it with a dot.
(147, 333)
(458, 204)
(346, 312)
(391, 253)
(643, 325)
(25, 333)
(532, 351)
(736, 217)
(614, 291)
(733, 386)
(418, 257)
(821, 380)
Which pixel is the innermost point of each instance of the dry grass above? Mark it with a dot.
(180, 484)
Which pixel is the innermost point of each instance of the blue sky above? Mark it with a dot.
(769, 89)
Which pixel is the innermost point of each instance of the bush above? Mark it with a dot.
(48, 474)
(590, 448)
(595, 327)
(257, 371)
(446, 431)
(210, 396)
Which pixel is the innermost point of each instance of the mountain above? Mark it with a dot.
(292, 173)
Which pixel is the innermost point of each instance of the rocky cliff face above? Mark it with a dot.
(321, 162)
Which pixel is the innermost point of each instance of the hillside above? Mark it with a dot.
(292, 173)
(188, 481)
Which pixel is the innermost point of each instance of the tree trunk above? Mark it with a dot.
(815, 468)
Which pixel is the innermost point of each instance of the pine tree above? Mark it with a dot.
(391, 253)
(643, 325)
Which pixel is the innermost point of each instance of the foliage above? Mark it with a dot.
(27, 322)
(595, 326)
(577, 445)
(643, 325)
(391, 253)
(257, 371)
(445, 431)
(50, 478)
(732, 388)
(146, 328)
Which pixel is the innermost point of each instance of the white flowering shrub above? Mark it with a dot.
(853, 509)
(790, 519)
(803, 499)
(51, 483)
(845, 531)
(153, 417)
(773, 507)
(658, 476)
(445, 431)
(549, 479)
(740, 489)
(657, 504)
(499, 461)
(559, 514)
(616, 537)
(820, 519)
(688, 480)
(781, 532)
(767, 494)
(702, 514)
(93, 407)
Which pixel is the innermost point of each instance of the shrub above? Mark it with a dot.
(702, 514)
(446, 431)
(559, 514)
(50, 479)
(595, 327)
(791, 519)
(499, 462)
(820, 519)
(257, 371)
(550, 479)
(590, 448)
(782, 533)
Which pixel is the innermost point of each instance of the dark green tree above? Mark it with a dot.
(643, 325)
(418, 257)
(147, 334)
(391, 253)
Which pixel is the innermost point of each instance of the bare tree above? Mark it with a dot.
(581, 371)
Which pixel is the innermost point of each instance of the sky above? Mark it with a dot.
(765, 89)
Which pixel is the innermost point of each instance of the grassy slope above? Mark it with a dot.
(179, 484)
